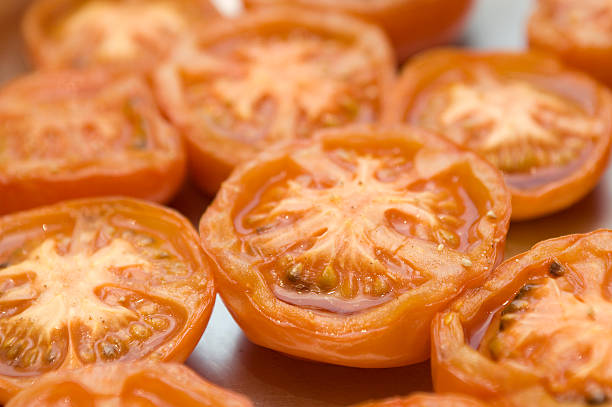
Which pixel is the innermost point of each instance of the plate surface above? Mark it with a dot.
(225, 357)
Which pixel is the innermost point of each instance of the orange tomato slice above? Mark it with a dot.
(95, 281)
(71, 134)
(547, 128)
(342, 249)
(536, 332)
(268, 77)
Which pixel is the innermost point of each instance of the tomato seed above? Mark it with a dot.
(87, 354)
(380, 286)
(555, 269)
(29, 358)
(495, 348)
(294, 273)
(157, 323)
(514, 306)
(329, 278)
(109, 351)
(51, 355)
(139, 331)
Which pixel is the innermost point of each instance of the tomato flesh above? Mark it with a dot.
(49, 135)
(336, 207)
(71, 134)
(276, 86)
(323, 244)
(547, 128)
(543, 324)
(269, 77)
(529, 133)
(96, 285)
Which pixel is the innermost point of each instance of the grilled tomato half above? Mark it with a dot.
(271, 76)
(341, 249)
(578, 31)
(74, 134)
(127, 384)
(537, 333)
(547, 128)
(125, 34)
(95, 281)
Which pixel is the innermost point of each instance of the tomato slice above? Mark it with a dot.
(94, 281)
(426, 400)
(134, 34)
(342, 249)
(537, 332)
(69, 134)
(547, 128)
(578, 31)
(411, 25)
(127, 384)
(266, 77)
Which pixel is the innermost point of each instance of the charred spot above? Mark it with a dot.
(526, 289)
(505, 323)
(262, 229)
(513, 307)
(555, 269)
(596, 398)
(4, 265)
(295, 277)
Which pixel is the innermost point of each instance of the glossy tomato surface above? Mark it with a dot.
(426, 400)
(412, 25)
(547, 128)
(271, 76)
(132, 34)
(578, 31)
(537, 332)
(71, 134)
(126, 385)
(94, 281)
(342, 249)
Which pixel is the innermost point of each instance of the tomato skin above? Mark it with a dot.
(417, 82)
(392, 334)
(212, 152)
(412, 25)
(18, 229)
(425, 400)
(43, 21)
(121, 384)
(154, 171)
(545, 35)
(457, 366)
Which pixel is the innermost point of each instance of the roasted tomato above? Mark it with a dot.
(247, 83)
(342, 249)
(133, 34)
(411, 25)
(127, 384)
(578, 31)
(538, 331)
(75, 134)
(94, 281)
(548, 129)
(425, 400)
